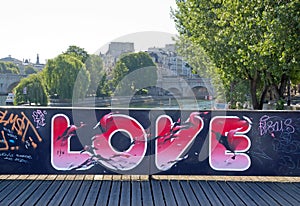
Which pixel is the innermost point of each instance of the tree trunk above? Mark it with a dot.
(253, 88)
(263, 96)
(283, 84)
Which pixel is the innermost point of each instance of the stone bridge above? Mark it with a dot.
(8, 82)
(187, 87)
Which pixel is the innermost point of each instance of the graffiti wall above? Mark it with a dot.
(102, 141)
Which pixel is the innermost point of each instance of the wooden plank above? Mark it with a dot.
(13, 177)
(136, 193)
(27, 193)
(295, 187)
(4, 177)
(189, 193)
(85, 191)
(273, 194)
(42, 177)
(168, 194)
(246, 198)
(146, 193)
(222, 195)
(125, 177)
(38, 193)
(52, 177)
(178, 193)
(251, 193)
(158, 198)
(17, 191)
(210, 194)
(93, 193)
(288, 188)
(51, 191)
(125, 196)
(71, 193)
(8, 186)
(265, 196)
(104, 192)
(98, 177)
(199, 193)
(114, 196)
(4, 184)
(231, 193)
(5, 194)
(64, 188)
(297, 184)
(82, 192)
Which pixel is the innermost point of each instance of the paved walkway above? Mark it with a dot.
(140, 190)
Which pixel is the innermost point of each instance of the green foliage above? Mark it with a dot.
(201, 64)
(198, 60)
(133, 72)
(280, 104)
(61, 74)
(238, 92)
(295, 76)
(251, 41)
(77, 52)
(142, 92)
(30, 70)
(103, 88)
(35, 91)
(94, 65)
(9, 68)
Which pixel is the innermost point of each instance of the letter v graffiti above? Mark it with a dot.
(174, 138)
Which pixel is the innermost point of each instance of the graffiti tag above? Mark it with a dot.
(271, 124)
(39, 118)
(15, 125)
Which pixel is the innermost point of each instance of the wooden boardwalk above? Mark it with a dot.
(139, 190)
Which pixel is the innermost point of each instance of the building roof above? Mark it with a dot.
(10, 59)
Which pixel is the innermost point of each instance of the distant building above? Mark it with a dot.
(115, 49)
(22, 64)
(37, 64)
(167, 58)
(12, 60)
(173, 72)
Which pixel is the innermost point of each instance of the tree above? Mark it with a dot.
(254, 41)
(133, 72)
(31, 90)
(9, 68)
(61, 74)
(94, 65)
(30, 70)
(201, 64)
(103, 89)
(77, 52)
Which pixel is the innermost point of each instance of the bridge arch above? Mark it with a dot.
(9, 81)
(12, 86)
(175, 91)
(200, 92)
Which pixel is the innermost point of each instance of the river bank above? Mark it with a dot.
(136, 102)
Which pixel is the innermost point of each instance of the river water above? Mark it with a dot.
(2, 100)
(170, 103)
(173, 104)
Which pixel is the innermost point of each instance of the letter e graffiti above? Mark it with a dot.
(228, 143)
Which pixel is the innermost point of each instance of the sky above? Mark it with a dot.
(49, 27)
